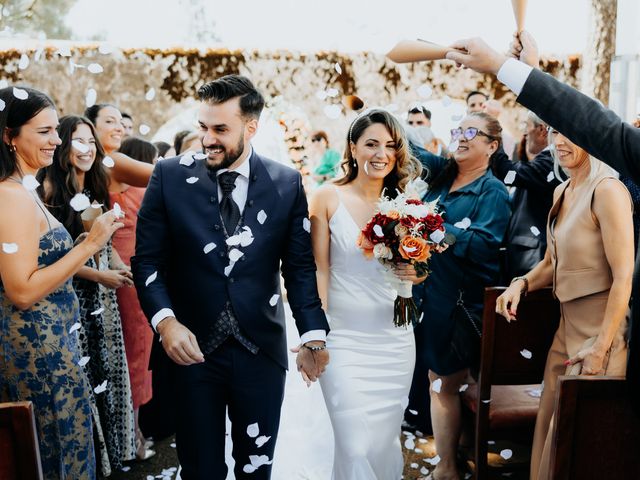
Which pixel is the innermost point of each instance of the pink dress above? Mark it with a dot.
(137, 333)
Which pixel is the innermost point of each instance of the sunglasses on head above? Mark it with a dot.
(469, 133)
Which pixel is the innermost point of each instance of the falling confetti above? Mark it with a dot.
(108, 162)
(79, 146)
(551, 176)
(433, 461)
(95, 68)
(261, 440)
(228, 268)
(338, 68)
(332, 92)
(510, 177)
(9, 248)
(274, 300)
(413, 412)
(75, 327)
(151, 94)
(83, 361)
(30, 183)
(453, 146)
(101, 388)
(535, 230)
(97, 312)
(409, 444)
(526, 354)
(192, 180)
(235, 255)
(64, 51)
(463, 388)
(506, 454)
(144, 129)
(463, 224)
(377, 229)
(437, 236)
(20, 94)
(436, 385)
(208, 247)
(117, 210)
(2, 105)
(91, 97)
(306, 224)
(253, 430)
(187, 159)
(150, 279)
(24, 61)
(199, 156)
(80, 202)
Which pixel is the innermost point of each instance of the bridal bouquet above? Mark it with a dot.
(404, 229)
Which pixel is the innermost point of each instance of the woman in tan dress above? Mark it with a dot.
(589, 262)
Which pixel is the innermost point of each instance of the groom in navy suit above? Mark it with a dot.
(214, 231)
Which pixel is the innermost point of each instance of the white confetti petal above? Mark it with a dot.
(75, 327)
(235, 255)
(24, 61)
(2, 105)
(510, 177)
(208, 247)
(526, 353)
(106, 49)
(117, 210)
(259, 460)
(83, 361)
(436, 386)
(38, 55)
(424, 91)
(506, 454)
(192, 180)
(332, 92)
(463, 224)
(534, 392)
(199, 156)
(151, 94)
(253, 430)
(80, 202)
(413, 412)
(228, 268)
(125, 469)
(101, 388)
(95, 68)
(551, 176)
(108, 162)
(274, 300)
(187, 159)
(79, 146)
(160, 159)
(321, 95)
(453, 146)
(4, 83)
(423, 440)
(90, 98)
(233, 240)
(446, 101)
(433, 461)
(20, 94)
(246, 237)
(437, 236)
(306, 224)
(248, 468)
(9, 248)
(97, 312)
(409, 444)
(150, 279)
(261, 440)
(486, 401)
(424, 471)
(535, 230)
(338, 68)
(414, 465)
(144, 129)
(463, 388)
(172, 445)
(377, 229)
(30, 183)
(333, 111)
(64, 51)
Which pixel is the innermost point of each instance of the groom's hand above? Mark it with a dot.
(179, 343)
(475, 54)
(311, 363)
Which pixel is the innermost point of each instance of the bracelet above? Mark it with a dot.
(314, 348)
(525, 288)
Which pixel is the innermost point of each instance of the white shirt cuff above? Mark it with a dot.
(313, 336)
(161, 315)
(514, 74)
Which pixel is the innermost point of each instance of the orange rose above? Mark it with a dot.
(393, 214)
(412, 248)
(365, 245)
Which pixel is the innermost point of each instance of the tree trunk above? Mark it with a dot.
(601, 47)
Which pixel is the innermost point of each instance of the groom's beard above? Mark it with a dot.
(229, 156)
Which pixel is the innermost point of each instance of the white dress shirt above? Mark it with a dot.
(514, 73)
(239, 196)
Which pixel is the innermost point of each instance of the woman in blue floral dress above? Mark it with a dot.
(39, 317)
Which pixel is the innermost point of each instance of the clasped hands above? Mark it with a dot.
(311, 364)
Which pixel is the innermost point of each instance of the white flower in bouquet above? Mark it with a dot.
(381, 251)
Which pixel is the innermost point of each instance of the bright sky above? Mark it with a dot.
(560, 26)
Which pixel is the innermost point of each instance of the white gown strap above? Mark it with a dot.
(339, 195)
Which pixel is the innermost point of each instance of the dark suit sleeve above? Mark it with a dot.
(299, 268)
(584, 121)
(531, 175)
(152, 248)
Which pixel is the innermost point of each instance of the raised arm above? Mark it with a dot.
(130, 171)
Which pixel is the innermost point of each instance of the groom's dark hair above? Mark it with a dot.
(232, 86)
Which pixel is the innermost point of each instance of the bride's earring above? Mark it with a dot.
(355, 164)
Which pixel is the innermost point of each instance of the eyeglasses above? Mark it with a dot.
(469, 133)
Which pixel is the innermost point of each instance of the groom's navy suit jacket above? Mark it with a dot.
(605, 136)
(178, 219)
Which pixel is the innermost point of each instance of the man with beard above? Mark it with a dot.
(212, 232)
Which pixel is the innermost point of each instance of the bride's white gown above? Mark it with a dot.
(369, 375)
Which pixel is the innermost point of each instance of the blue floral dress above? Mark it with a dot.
(39, 355)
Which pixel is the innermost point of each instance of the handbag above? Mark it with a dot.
(466, 336)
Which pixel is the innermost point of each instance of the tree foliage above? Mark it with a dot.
(36, 17)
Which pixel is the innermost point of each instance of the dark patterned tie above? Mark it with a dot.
(229, 210)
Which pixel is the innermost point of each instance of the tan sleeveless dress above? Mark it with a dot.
(582, 279)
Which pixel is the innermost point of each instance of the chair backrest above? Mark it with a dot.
(515, 353)
(597, 432)
(19, 452)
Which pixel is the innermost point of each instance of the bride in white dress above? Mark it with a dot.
(366, 383)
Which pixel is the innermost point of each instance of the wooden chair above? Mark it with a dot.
(596, 433)
(513, 356)
(19, 452)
